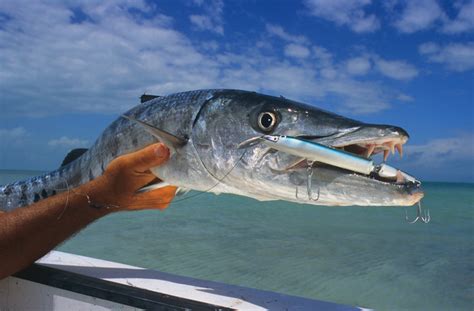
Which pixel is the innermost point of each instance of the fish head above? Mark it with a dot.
(232, 117)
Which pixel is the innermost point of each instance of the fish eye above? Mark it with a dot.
(266, 121)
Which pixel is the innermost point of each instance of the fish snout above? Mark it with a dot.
(398, 131)
(389, 131)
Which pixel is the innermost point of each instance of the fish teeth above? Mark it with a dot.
(385, 155)
(370, 150)
(399, 149)
(390, 146)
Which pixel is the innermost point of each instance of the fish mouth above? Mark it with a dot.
(367, 141)
(372, 146)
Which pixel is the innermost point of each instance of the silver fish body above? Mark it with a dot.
(214, 123)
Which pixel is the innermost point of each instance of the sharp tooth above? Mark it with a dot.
(390, 146)
(385, 155)
(400, 149)
(370, 150)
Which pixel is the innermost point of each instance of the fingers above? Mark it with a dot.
(148, 157)
(129, 173)
(156, 199)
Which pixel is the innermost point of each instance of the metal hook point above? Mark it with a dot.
(309, 190)
(427, 217)
(424, 217)
(309, 182)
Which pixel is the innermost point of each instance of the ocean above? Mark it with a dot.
(364, 256)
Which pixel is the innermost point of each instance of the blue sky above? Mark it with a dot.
(68, 69)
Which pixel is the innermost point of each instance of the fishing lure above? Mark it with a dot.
(320, 153)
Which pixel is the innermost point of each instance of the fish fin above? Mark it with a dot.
(171, 141)
(73, 155)
(146, 97)
(153, 186)
(182, 191)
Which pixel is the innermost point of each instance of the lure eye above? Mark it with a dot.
(266, 121)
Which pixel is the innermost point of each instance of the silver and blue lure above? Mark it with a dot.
(313, 151)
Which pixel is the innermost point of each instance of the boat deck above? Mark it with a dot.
(63, 281)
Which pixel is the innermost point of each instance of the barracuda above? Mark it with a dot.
(204, 129)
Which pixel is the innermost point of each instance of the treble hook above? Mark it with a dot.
(424, 218)
(309, 171)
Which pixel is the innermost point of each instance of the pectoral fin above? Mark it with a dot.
(161, 184)
(171, 141)
(151, 187)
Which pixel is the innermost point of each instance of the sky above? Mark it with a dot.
(68, 69)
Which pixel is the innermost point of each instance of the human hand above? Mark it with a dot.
(118, 186)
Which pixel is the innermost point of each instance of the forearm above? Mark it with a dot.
(29, 233)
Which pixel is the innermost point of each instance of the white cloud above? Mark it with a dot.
(455, 56)
(428, 48)
(12, 134)
(322, 55)
(296, 50)
(212, 19)
(203, 22)
(405, 98)
(350, 13)
(279, 32)
(395, 69)
(68, 142)
(51, 65)
(441, 151)
(418, 15)
(358, 66)
(464, 20)
(425, 14)
(103, 62)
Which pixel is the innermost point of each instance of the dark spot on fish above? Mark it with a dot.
(23, 186)
(34, 182)
(53, 193)
(23, 199)
(36, 198)
(134, 141)
(102, 168)
(91, 176)
(7, 190)
(44, 194)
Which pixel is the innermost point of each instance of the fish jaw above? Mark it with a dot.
(341, 188)
(259, 172)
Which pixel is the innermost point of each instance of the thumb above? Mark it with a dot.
(148, 157)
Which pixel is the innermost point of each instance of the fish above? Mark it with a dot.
(204, 129)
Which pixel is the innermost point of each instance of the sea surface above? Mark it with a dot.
(364, 256)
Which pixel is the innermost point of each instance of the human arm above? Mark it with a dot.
(28, 233)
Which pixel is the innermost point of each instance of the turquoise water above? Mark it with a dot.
(353, 255)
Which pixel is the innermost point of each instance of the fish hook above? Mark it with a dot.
(309, 177)
(424, 217)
